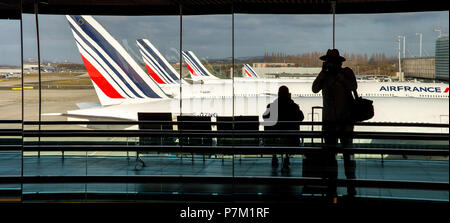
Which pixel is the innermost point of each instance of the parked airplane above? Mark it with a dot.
(301, 87)
(215, 87)
(124, 89)
(199, 72)
(157, 66)
(196, 68)
(249, 71)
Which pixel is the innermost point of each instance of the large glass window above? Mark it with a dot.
(10, 101)
(209, 81)
(207, 88)
(10, 70)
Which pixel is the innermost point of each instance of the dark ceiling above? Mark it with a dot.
(11, 8)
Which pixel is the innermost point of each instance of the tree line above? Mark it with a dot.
(375, 64)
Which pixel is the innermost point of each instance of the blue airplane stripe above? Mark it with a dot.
(189, 60)
(156, 57)
(106, 61)
(194, 66)
(121, 62)
(157, 66)
(172, 77)
(198, 65)
(93, 57)
(250, 70)
(160, 74)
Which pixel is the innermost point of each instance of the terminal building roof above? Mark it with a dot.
(12, 8)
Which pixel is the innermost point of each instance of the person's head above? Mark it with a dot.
(333, 65)
(283, 92)
(333, 60)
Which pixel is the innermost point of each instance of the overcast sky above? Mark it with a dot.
(210, 36)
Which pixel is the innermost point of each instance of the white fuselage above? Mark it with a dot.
(251, 87)
(402, 109)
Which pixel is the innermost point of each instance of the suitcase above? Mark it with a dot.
(319, 166)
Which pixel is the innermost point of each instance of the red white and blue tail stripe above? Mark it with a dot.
(249, 71)
(195, 67)
(116, 76)
(157, 66)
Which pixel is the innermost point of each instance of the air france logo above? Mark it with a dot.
(80, 21)
(413, 89)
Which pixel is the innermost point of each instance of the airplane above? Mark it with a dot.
(212, 86)
(124, 89)
(199, 72)
(196, 68)
(249, 71)
(169, 79)
(157, 66)
(301, 87)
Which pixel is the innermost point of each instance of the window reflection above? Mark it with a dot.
(132, 68)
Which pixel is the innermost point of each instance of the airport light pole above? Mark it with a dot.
(404, 46)
(333, 8)
(399, 58)
(420, 44)
(438, 29)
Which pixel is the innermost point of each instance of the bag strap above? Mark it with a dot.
(355, 93)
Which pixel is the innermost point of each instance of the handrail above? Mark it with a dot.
(228, 134)
(10, 121)
(226, 150)
(230, 150)
(291, 181)
(387, 124)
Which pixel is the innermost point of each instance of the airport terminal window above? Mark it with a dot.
(125, 68)
(127, 62)
(285, 56)
(373, 54)
(208, 87)
(10, 96)
(207, 63)
(10, 70)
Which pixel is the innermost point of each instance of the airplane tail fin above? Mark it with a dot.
(195, 67)
(157, 66)
(250, 72)
(116, 76)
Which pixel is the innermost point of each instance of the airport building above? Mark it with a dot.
(282, 70)
(422, 68)
(441, 64)
(262, 65)
(285, 72)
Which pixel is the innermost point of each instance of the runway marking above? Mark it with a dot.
(19, 88)
(10, 200)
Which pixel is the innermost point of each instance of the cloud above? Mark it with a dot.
(211, 35)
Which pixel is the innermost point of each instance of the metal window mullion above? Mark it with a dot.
(36, 6)
(23, 99)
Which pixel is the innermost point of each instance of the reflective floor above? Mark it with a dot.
(370, 168)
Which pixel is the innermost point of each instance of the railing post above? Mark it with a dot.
(312, 120)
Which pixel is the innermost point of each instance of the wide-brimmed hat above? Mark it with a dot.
(332, 54)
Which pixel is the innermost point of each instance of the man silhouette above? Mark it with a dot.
(284, 114)
(337, 85)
